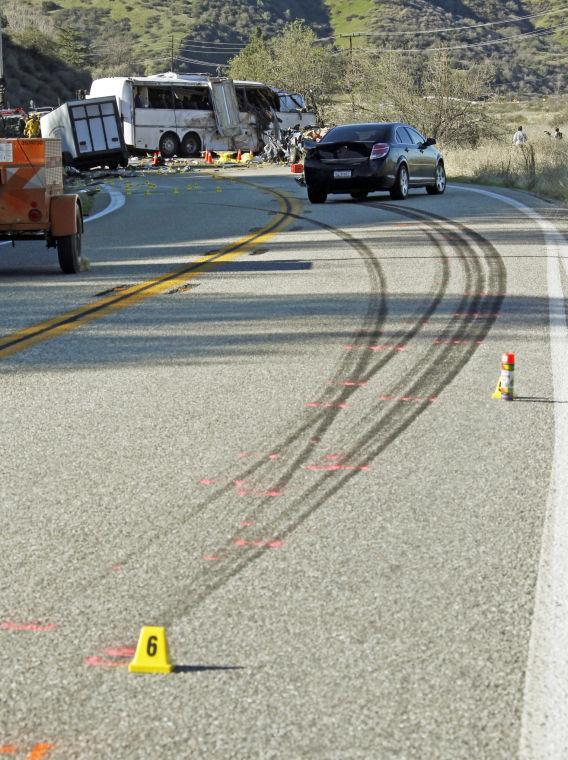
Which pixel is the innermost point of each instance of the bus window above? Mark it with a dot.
(262, 98)
(192, 99)
(241, 98)
(140, 97)
(291, 102)
(160, 97)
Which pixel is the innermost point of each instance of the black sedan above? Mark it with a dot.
(361, 158)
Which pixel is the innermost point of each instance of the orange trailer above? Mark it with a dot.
(32, 203)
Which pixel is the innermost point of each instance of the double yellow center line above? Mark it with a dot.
(71, 320)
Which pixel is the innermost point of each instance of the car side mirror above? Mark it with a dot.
(308, 144)
(429, 141)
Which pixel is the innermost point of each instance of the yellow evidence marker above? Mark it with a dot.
(152, 652)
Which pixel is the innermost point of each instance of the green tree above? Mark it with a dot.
(71, 48)
(254, 61)
(302, 65)
(292, 61)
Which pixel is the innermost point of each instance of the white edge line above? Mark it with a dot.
(544, 726)
(117, 200)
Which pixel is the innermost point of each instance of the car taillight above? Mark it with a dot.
(380, 150)
(34, 215)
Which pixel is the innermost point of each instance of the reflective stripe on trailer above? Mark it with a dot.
(35, 181)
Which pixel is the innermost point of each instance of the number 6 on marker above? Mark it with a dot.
(152, 652)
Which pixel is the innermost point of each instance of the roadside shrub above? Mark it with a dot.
(540, 166)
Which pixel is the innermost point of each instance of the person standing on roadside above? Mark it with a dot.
(520, 137)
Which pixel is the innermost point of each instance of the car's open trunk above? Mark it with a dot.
(351, 152)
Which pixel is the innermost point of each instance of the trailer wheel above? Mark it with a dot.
(169, 145)
(191, 144)
(69, 249)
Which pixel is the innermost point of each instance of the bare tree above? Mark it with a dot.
(439, 98)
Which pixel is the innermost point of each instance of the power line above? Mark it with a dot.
(192, 49)
(537, 33)
(211, 64)
(513, 20)
(187, 49)
(216, 44)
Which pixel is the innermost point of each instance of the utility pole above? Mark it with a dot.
(2, 82)
(172, 53)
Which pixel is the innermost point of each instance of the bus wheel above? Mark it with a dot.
(169, 145)
(191, 144)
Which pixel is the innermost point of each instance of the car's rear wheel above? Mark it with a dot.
(399, 190)
(316, 195)
(440, 186)
(359, 195)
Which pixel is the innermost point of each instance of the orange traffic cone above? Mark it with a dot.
(239, 155)
(157, 158)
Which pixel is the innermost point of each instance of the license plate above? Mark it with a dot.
(341, 174)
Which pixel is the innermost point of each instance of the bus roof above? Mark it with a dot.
(170, 77)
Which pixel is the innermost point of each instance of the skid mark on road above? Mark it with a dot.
(422, 384)
(72, 320)
(424, 380)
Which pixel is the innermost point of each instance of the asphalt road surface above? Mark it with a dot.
(268, 427)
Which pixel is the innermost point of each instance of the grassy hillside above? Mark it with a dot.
(136, 36)
(536, 64)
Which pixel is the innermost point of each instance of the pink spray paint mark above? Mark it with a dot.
(258, 544)
(335, 467)
(100, 662)
(207, 481)
(276, 544)
(211, 558)
(120, 651)
(9, 625)
(242, 490)
(117, 567)
(349, 383)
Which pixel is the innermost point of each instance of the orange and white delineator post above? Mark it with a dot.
(506, 384)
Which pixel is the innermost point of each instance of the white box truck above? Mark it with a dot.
(90, 132)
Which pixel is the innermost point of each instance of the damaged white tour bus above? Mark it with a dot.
(184, 114)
